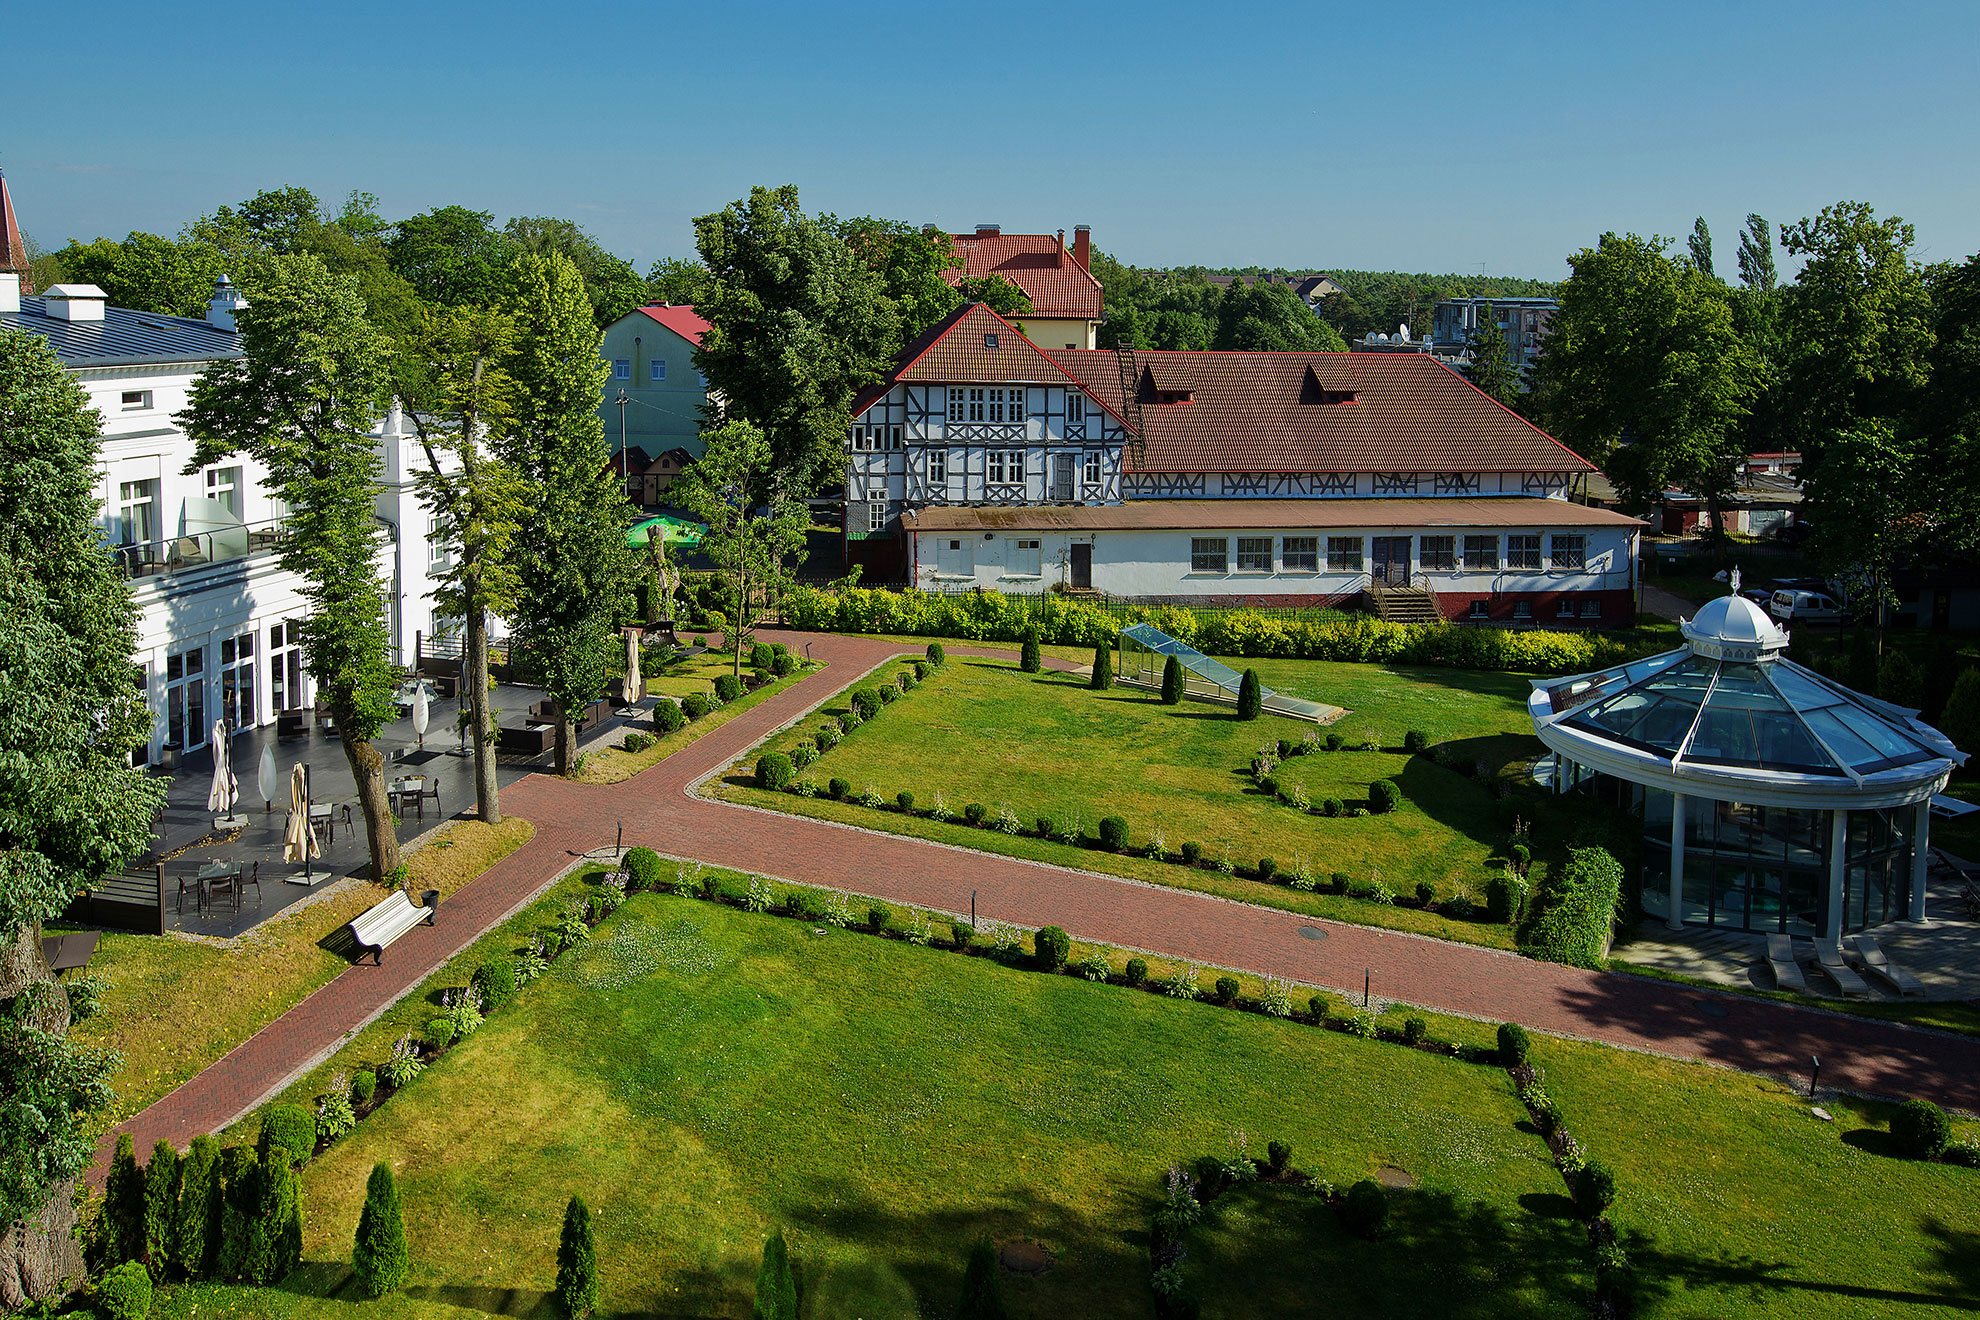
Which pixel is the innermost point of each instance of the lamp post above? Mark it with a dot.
(623, 400)
(1814, 1075)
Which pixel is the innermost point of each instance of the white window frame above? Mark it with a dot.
(1248, 560)
(1017, 405)
(1567, 550)
(1306, 559)
(223, 486)
(938, 467)
(1209, 554)
(876, 515)
(1090, 470)
(1346, 554)
(1423, 553)
(1481, 554)
(955, 403)
(133, 496)
(975, 404)
(134, 400)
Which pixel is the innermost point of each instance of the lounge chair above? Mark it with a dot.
(1876, 962)
(1780, 957)
(68, 952)
(1846, 979)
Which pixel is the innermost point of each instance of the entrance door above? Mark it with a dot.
(185, 698)
(1941, 610)
(1082, 565)
(1062, 477)
(1390, 560)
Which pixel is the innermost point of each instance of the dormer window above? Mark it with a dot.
(1175, 396)
(990, 341)
(1330, 381)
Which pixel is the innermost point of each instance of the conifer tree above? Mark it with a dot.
(240, 1177)
(196, 1234)
(274, 1244)
(1172, 682)
(379, 1256)
(1103, 667)
(123, 1204)
(1251, 696)
(577, 1262)
(776, 1290)
(1028, 660)
(161, 1195)
(983, 1287)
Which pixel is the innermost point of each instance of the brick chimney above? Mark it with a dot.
(989, 231)
(1059, 258)
(1083, 246)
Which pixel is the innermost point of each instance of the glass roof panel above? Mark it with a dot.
(1890, 744)
(1841, 738)
(1747, 723)
(1804, 692)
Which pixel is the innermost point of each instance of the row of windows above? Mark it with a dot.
(1587, 606)
(656, 370)
(956, 557)
(1006, 467)
(867, 439)
(992, 404)
(1301, 554)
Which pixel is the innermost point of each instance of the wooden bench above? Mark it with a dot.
(391, 919)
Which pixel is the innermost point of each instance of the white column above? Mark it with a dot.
(1675, 919)
(1921, 835)
(1838, 832)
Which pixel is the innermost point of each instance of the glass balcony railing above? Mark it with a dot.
(200, 549)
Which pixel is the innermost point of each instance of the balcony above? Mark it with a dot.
(199, 549)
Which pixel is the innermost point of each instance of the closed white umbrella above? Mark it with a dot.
(298, 839)
(635, 681)
(226, 789)
(265, 779)
(420, 713)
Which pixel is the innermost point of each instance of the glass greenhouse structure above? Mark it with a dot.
(1773, 799)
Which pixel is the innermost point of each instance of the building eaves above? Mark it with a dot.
(125, 338)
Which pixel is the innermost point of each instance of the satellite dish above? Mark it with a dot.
(1402, 333)
(1381, 339)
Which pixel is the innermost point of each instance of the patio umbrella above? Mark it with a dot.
(635, 681)
(420, 713)
(265, 780)
(226, 789)
(298, 839)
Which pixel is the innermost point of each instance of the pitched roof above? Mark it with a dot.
(957, 350)
(13, 248)
(1261, 412)
(124, 337)
(682, 320)
(1040, 264)
(1244, 515)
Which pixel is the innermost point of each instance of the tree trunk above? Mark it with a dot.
(567, 738)
(39, 1256)
(380, 825)
(487, 800)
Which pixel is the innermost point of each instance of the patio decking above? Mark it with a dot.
(184, 837)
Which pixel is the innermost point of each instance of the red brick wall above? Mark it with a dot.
(1618, 607)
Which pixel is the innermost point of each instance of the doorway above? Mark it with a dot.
(1390, 560)
(1082, 565)
(1062, 478)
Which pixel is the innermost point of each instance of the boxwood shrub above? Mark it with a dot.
(1921, 1130)
(1514, 1044)
(888, 693)
(936, 655)
(1416, 742)
(838, 788)
(1113, 833)
(974, 813)
(125, 1293)
(1365, 1208)
(1137, 971)
(727, 688)
(760, 656)
(1383, 796)
(642, 870)
(667, 716)
(773, 770)
(638, 742)
(292, 1128)
(865, 703)
(496, 980)
(904, 800)
(1052, 947)
(695, 704)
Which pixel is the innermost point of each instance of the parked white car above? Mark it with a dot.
(1805, 607)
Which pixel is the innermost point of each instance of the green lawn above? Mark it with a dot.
(1045, 745)
(700, 1074)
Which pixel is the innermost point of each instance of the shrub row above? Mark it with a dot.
(1590, 1183)
(988, 616)
(1574, 911)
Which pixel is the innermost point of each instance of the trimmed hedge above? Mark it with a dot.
(695, 704)
(1383, 797)
(643, 866)
(727, 688)
(1053, 947)
(1574, 912)
(1113, 833)
(989, 616)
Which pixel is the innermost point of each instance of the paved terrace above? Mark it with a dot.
(660, 810)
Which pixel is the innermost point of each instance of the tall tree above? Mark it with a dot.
(1863, 497)
(999, 295)
(147, 273)
(574, 584)
(1756, 255)
(451, 255)
(913, 264)
(799, 324)
(1269, 316)
(1948, 420)
(1492, 369)
(1700, 244)
(303, 399)
(758, 552)
(610, 282)
(455, 391)
(682, 283)
(72, 808)
(1643, 372)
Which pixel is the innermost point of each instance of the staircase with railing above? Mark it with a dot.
(1403, 604)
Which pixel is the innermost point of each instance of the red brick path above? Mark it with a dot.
(657, 811)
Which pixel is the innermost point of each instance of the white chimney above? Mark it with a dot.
(10, 293)
(225, 303)
(73, 302)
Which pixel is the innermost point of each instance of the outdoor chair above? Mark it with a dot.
(1876, 962)
(291, 723)
(196, 889)
(65, 953)
(254, 880)
(1780, 957)
(1845, 977)
(219, 880)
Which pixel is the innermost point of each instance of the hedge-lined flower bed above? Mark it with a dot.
(990, 616)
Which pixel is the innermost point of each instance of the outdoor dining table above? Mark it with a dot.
(418, 788)
(324, 813)
(215, 871)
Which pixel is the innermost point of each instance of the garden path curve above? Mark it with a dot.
(659, 810)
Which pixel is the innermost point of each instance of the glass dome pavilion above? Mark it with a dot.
(1773, 799)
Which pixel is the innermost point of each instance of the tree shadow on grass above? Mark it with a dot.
(1954, 1283)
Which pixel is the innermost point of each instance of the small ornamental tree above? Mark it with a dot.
(161, 1194)
(1594, 1189)
(1383, 797)
(1103, 667)
(123, 1204)
(125, 1293)
(196, 1238)
(577, 1262)
(1514, 1045)
(291, 1127)
(936, 655)
(274, 1245)
(983, 1286)
(379, 1256)
(240, 1176)
(776, 1290)
(1172, 682)
(1028, 660)
(1251, 697)
(1921, 1129)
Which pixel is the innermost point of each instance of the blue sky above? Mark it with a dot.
(1436, 137)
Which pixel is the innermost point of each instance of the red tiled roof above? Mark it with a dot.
(1262, 412)
(681, 320)
(957, 351)
(1037, 263)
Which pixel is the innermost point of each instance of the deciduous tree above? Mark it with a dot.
(451, 255)
(576, 580)
(1266, 315)
(303, 400)
(72, 808)
(755, 522)
(610, 282)
(1700, 246)
(147, 273)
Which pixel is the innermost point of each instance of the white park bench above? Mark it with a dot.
(391, 919)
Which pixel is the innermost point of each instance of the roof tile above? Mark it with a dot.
(1037, 263)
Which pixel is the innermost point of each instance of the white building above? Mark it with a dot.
(216, 610)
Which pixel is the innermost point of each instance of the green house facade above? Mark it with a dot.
(650, 352)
